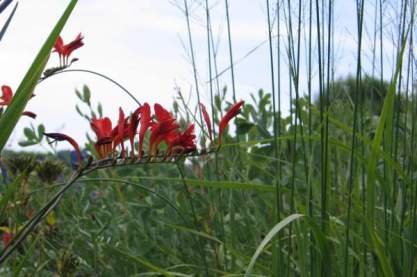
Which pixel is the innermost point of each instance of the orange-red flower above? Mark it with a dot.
(207, 120)
(232, 112)
(103, 129)
(119, 132)
(145, 122)
(7, 95)
(163, 130)
(65, 50)
(70, 140)
(181, 143)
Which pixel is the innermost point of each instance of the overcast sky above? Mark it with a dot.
(141, 45)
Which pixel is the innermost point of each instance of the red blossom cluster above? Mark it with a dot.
(162, 127)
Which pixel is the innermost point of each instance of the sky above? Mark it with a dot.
(144, 46)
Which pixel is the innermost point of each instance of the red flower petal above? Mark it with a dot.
(164, 130)
(73, 45)
(65, 50)
(119, 134)
(59, 46)
(162, 114)
(145, 122)
(102, 128)
(232, 112)
(207, 120)
(7, 95)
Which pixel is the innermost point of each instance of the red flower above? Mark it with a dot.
(207, 120)
(119, 133)
(7, 95)
(70, 140)
(161, 114)
(145, 122)
(65, 50)
(182, 143)
(164, 130)
(7, 237)
(232, 112)
(103, 129)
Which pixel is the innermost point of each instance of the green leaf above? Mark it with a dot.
(26, 143)
(100, 110)
(379, 249)
(13, 112)
(86, 95)
(283, 223)
(41, 130)
(78, 95)
(28, 132)
(218, 102)
(385, 121)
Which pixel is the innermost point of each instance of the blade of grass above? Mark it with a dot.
(213, 184)
(7, 23)
(271, 234)
(385, 121)
(4, 5)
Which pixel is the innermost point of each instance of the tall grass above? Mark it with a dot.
(352, 182)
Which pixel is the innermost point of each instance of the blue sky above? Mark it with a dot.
(141, 45)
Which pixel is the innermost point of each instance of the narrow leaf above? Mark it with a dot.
(274, 231)
(7, 23)
(4, 5)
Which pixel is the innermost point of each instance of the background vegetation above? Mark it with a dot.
(327, 188)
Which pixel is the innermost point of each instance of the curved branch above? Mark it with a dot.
(97, 74)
